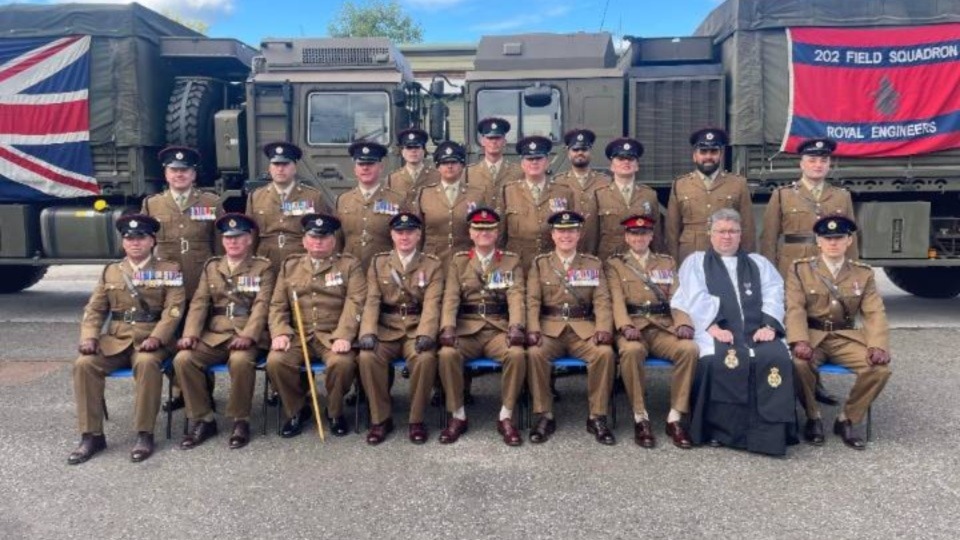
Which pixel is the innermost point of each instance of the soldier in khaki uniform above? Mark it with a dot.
(401, 318)
(569, 312)
(697, 195)
(483, 315)
(584, 182)
(443, 205)
(641, 285)
(226, 322)
(825, 296)
(789, 216)
(366, 210)
(142, 297)
(331, 290)
(415, 172)
(528, 203)
(625, 197)
(278, 206)
(493, 171)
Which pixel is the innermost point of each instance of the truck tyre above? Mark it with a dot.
(926, 281)
(15, 278)
(189, 121)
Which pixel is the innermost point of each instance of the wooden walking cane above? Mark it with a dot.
(306, 363)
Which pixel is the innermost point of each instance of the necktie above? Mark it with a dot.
(484, 263)
(535, 192)
(494, 170)
(817, 190)
(707, 181)
(181, 200)
(366, 195)
(451, 193)
(626, 191)
(566, 264)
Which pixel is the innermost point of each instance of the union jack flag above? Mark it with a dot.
(45, 119)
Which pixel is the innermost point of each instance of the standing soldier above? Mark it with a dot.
(483, 315)
(414, 173)
(527, 204)
(697, 195)
(142, 297)
(366, 210)
(278, 206)
(443, 205)
(227, 322)
(641, 286)
(331, 291)
(568, 312)
(825, 297)
(400, 320)
(493, 171)
(625, 197)
(584, 182)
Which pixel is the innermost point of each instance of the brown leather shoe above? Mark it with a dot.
(598, 428)
(643, 434)
(241, 434)
(680, 438)
(455, 428)
(201, 431)
(379, 432)
(542, 431)
(510, 434)
(418, 433)
(813, 431)
(144, 447)
(89, 446)
(845, 430)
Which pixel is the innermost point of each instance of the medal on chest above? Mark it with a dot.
(297, 208)
(856, 289)
(386, 208)
(202, 213)
(558, 204)
(421, 279)
(748, 288)
(499, 279)
(333, 279)
(248, 284)
(583, 278)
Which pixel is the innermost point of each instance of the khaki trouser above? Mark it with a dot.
(283, 367)
(661, 344)
(489, 342)
(601, 369)
(191, 368)
(89, 373)
(375, 372)
(851, 355)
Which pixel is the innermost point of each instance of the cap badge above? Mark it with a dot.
(709, 136)
(179, 155)
(566, 217)
(831, 225)
(232, 223)
(404, 218)
(133, 224)
(533, 146)
(448, 151)
(493, 125)
(319, 222)
(279, 150)
(580, 136)
(626, 146)
(412, 136)
(365, 150)
(819, 144)
(483, 214)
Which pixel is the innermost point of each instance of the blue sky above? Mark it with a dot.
(449, 20)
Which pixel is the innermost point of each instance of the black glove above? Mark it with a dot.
(684, 332)
(534, 339)
(603, 338)
(631, 333)
(802, 350)
(878, 357)
(516, 336)
(448, 337)
(424, 343)
(367, 342)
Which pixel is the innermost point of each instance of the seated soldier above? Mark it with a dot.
(330, 290)
(641, 285)
(568, 312)
(825, 295)
(227, 321)
(141, 301)
(483, 315)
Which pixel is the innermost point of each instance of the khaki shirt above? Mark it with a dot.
(186, 236)
(546, 288)
(445, 228)
(402, 182)
(112, 294)
(330, 297)
(628, 287)
(793, 210)
(808, 297)
(612, 210)
(390, 285)
(586, 203)
(366, 223)
(248, 286)
(281, 233)
(525, 227)
(479, 175)
(691, 204)
(468, 285)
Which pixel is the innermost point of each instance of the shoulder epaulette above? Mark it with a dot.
(259, 258)
(345, 255)
(662, 255)
(306, 186)
(589, 256)
(542, 255)
(382, 254)
(431, 256)
(861, 264)
(505, 252)
(215, 258)
(462, 254)
(804, 260)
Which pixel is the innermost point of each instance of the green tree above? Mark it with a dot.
(377, 18)
(194, 24)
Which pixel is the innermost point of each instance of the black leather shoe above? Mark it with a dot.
(241, 434)
(542, 431)
(89, 446)
(201, 431)
(294, 426)
(824, 397)
(813, 431)
(144, 447)
(174, 404)
(598, 428)
(339, 426)
(845, 430)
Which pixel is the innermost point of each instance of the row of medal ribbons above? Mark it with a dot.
(203, 213)
(154, 278)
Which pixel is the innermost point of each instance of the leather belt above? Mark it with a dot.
(403, 309)
(799, 239)
(647, 310)
(231, 311)
(567, 312)
(136, 315)
(483, 309)
(829, 326)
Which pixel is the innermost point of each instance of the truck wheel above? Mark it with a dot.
(926, 281)
(189, 121)
(15, 278)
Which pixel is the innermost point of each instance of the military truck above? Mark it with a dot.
(92, 92)
(733, 72)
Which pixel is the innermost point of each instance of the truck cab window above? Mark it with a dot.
(344, 117)
(525, 121)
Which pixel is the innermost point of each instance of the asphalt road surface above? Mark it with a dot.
(905, 485)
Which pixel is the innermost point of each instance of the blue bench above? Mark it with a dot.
(166, 368)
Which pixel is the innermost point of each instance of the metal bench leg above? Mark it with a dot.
(869, 423)
(170, 412)
(264, 406)
(106, 415)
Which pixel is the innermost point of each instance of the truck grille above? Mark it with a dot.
(344, 56)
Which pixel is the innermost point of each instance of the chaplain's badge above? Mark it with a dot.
(731, 360)
(774, 379)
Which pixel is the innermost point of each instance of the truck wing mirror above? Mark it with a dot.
(399, 96)
(438, 121)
